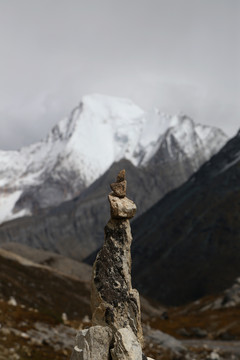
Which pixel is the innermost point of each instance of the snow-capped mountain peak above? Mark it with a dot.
(106, 130)
(80, 148)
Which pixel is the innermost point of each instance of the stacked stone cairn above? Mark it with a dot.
(116, 331)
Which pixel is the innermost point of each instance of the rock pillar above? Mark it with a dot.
(115, 304)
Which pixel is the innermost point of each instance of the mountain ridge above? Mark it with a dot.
(80, 148)
(191, 236)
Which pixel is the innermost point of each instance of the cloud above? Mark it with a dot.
(175, 54)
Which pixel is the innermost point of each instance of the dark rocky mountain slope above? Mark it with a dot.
(188, 244)
(75, 228)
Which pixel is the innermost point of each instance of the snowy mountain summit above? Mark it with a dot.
(80, 148)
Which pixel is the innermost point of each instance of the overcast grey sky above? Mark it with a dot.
(177, 55)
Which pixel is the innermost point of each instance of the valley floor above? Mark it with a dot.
(41, 310)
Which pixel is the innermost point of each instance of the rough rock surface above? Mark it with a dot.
(119, 188)
(116, 317)
(121, 208)
(114, 302)
(92, 343)
(120, 205)
(126, 345)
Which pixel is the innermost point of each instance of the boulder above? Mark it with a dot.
(121, 207)
(126, 345)
(93, 344)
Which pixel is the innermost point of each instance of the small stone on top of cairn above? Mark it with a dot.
(119, 187)
(121, 207)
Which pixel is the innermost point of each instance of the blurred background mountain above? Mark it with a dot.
(184, 178)
(171, 69)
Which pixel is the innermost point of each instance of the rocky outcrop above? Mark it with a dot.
(232, 295)
(229, 299)
(116, 332)
(191, 237)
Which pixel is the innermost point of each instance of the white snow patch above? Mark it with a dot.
(7, 202)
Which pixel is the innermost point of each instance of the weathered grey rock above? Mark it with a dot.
(121, 207)
(230, 298)
(114, 302)
(126, 345)
(164, 340)
(93, 344)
